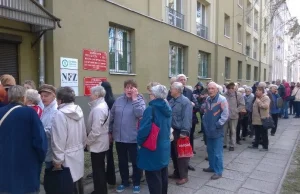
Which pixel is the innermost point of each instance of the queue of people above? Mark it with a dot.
(47, 126)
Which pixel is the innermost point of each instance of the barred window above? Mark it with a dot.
(119, 50)
(175, 60)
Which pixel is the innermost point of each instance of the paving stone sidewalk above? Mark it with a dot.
(246, 171)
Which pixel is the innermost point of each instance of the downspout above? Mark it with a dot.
(260, 41)
(42, 56)
(217, 44)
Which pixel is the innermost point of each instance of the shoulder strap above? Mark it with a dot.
(106, 117)
(8, 112)
(237, 103)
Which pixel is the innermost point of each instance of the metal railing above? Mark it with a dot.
(202, 30)
(255, 26)
(175, 18)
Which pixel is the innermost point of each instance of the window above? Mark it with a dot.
(240, 70)
(265, 74)
(240, 3)
(201, 27)
(256, 20)
(239, 31)
(255, 73)
(227, 25)
(175, 60)
(265, 24)
(174, 13)
(227, 68)
(265, 49)
(255, 48)
(119, 50)
(249, 13)
(248, 74)
(202, 64)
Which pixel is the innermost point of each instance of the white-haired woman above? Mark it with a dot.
(155, 163)
(32, 99)
(274, 109)
(98, 138)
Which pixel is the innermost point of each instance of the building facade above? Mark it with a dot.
(146, 40)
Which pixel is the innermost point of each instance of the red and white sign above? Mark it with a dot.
(90, 82)
(94, 60)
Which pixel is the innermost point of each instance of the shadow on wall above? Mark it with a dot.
(83, 101)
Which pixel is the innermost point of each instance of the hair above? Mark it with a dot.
(98, 91)
(109, 96)
(273, 86)
(159, 91)
(231, 84)
(31, 83)
(173, 79)
(261, 89)
(214, 84)
(16, 94)
(248, 88)
(152, 84)
(262, 84)
(220, 89)
(130, 82)
(65, 94)
(178, 86)
(189, 87)
(180, 75)
(3, 94)
(33, 96)
(241, 90)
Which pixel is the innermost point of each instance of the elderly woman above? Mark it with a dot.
(48, 96)
(98, 138)
(247, 120)
(32, 99)
(261, 109)
(274, 110)
(124, 118)
(29, 84)
(23, 145)
(155, 163)
(68, 136)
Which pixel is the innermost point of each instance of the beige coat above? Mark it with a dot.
(97, 127)
(68, 136)
(236, 103)
(296, 94)
(263, 104)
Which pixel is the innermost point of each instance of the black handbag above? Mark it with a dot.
(58, 181)
(292, 98)
(267, 122)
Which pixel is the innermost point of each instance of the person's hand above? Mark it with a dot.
(57, 166)
(135, 93)
(193, 104)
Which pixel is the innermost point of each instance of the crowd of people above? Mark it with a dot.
(45, 125)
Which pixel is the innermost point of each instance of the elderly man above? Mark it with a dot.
(172, 80)
(236, 103)
(216, 113)
(181, 123)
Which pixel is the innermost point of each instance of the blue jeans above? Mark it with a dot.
(285, 109)
(215, 154)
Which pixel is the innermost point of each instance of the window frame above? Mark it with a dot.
(226, 25)
(176, 65)
(239, 29)
(248, 73)
(201, 64)
(255, 76)
(227, 68)
(240, 70)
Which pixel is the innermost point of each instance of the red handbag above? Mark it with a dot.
(184, 148)
(151, 142)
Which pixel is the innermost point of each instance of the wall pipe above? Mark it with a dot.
(42, 56)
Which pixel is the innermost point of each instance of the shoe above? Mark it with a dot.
(191, 168)
(206, 158)
(173, 176)
(239, 143)
(252, 147)
(182, 181)
(263, 150)
(208, 170)
(136, 189)
(231, 149)
(224, 146)
(215, 177)
(121, 188)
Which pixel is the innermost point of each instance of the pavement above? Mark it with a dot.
(246, 171)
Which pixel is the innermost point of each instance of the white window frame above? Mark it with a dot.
(201, 64)
(117, 46)
(174, 15)
(226, 26)
(171, 52)
(239, 30)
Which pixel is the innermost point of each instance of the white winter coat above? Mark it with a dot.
(68, 137)
(97, 128)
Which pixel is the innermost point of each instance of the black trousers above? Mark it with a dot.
(245, 124)
(123, 150)
(180, 164)
(238, 130)
(99, 175)
(110, 166)
(275, 119)
(261, 134)
(157, 181)
(192, 135)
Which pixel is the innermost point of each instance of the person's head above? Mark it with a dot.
(29, 84)
(182, 79)
(16, 94)
(199, 86)
(97, 92)
(176, 89)
(129, 85)
(172, 80)
(231, 87)
(220, 89)
(283, 81)
(241, 90)
(262, 85)
(32, 97)
(48, 94)
(278, 82)
(260, 92)
(108, 89)
(292, 83)
(65, 95)
(212, 88)
(248, 91)
(158, 92)
(7, 81)
(273, 88)
(152, 84)
(3, 94)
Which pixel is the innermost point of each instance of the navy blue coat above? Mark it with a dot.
(23, 147)
(158, 159)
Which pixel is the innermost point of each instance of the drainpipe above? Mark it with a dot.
(42, 56)
(260, 42)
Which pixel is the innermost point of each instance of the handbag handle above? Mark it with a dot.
(8, 112)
